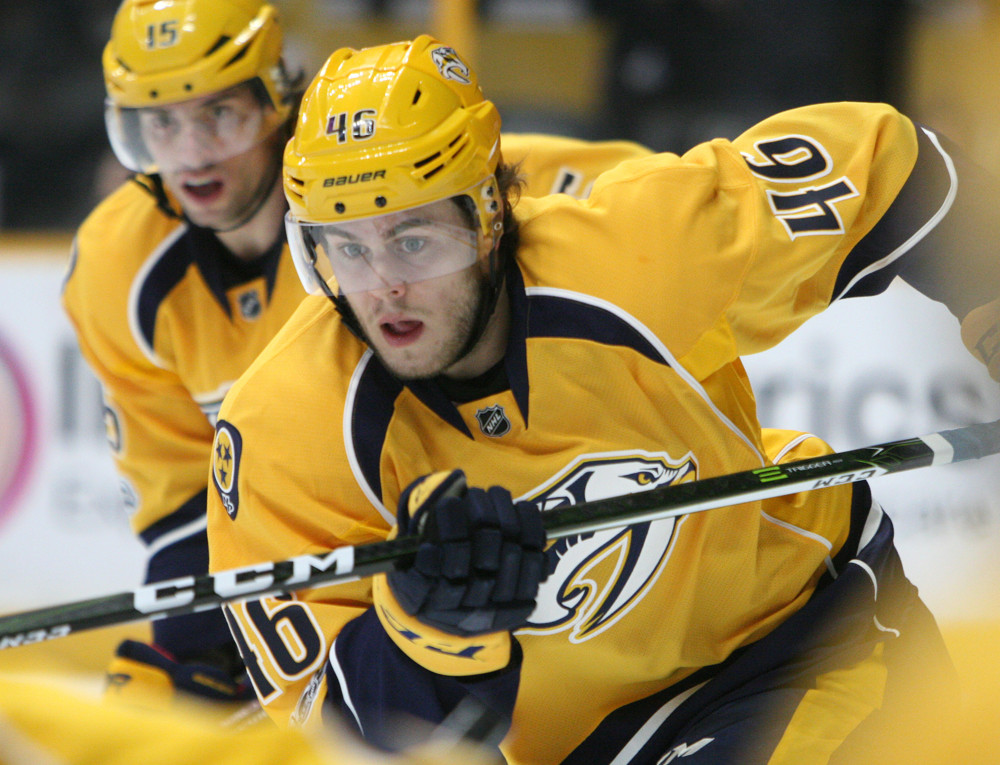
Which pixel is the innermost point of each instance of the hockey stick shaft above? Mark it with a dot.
(197, 593)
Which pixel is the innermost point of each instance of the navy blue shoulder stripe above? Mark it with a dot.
(917, 202)
(374, 406)
(861, 505)
(559, 316)
(161, 279)
(193, 508)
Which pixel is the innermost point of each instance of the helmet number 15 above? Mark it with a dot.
(161, 35)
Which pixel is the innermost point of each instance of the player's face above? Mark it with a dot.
(218, 196)
(211, 153)
(417, 326)
(418, 330)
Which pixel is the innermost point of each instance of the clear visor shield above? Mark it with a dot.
(382, 251)
(189, 135)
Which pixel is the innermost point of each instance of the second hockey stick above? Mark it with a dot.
(197, 593)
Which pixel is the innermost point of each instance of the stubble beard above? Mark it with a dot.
(429, 362)
(245, 197)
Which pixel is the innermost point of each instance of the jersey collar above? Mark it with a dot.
(432, 395)
(222, 270)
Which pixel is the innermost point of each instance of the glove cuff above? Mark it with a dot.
(428, 491)
(146, 676)
(138, 684)
(440, 652)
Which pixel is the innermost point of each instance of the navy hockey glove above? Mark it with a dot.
(480, 561)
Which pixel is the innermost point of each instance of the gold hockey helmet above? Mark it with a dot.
(388, 128)
(164, 52)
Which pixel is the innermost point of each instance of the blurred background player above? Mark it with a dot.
(570, 350)
(181, 276)
(45, 723)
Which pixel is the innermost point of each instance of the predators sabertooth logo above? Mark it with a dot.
(450, 65)
(596, 579)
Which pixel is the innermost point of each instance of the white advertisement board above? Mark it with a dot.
(63, 531)
(872, 370)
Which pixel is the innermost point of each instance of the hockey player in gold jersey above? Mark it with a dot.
(181, 276)
(566, 350)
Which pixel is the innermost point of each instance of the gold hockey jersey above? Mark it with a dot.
(167, 318)
(630, 311)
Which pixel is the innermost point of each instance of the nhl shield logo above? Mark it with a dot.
(493, 421)
(250, 305)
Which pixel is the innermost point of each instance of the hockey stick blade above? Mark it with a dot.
(198, 593)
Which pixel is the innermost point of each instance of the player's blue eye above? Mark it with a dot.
(411, 244)
(352, 250)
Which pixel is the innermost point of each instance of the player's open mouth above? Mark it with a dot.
(401, 332)
(205, 190)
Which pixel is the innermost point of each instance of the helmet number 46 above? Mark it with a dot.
(362, 125)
